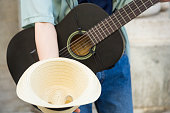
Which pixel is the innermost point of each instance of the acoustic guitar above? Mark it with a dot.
(87, 34)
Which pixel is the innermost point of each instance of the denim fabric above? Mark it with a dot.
(105, 4)
(116, 96)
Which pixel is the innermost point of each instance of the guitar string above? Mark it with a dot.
(88, 31)
(100, 26)
(107, 25)
(118, 21)
(90, 41)
(103, 26)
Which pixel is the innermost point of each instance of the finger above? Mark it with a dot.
(77, 110)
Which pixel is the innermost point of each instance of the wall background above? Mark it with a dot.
(150, 64)
(9, 25)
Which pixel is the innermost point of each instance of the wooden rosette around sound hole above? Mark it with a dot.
(80, 45)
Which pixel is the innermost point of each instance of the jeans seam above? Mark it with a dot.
(102, 76)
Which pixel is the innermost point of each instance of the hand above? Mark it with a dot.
(164, 0)
(77, 110)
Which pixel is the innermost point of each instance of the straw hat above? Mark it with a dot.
(58, 83)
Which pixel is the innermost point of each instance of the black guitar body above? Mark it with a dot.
(21, 52)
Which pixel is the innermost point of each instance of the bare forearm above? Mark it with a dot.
(46, 40)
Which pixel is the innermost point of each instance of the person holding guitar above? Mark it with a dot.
(116, 94)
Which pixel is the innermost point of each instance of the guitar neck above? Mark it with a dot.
(121, 17)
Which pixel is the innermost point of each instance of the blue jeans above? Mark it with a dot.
(116, 96)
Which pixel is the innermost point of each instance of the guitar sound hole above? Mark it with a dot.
(81, 44)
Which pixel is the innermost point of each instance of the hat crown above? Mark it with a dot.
(58, 83)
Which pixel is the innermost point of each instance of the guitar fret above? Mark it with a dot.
(103, 30)
(109, 28)
(130, 13)
(118, 20)
(126, 13)
(95, 33)
(122, 16)
(106, 28)
(93, 36)
(137, 7)
(113, 22)
(151, 2)
(148, 3)
(110, 25)
(90, 38)
(99, 31)
(131, 10)
(143, 4)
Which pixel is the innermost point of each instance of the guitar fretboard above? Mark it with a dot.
(121, 17)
